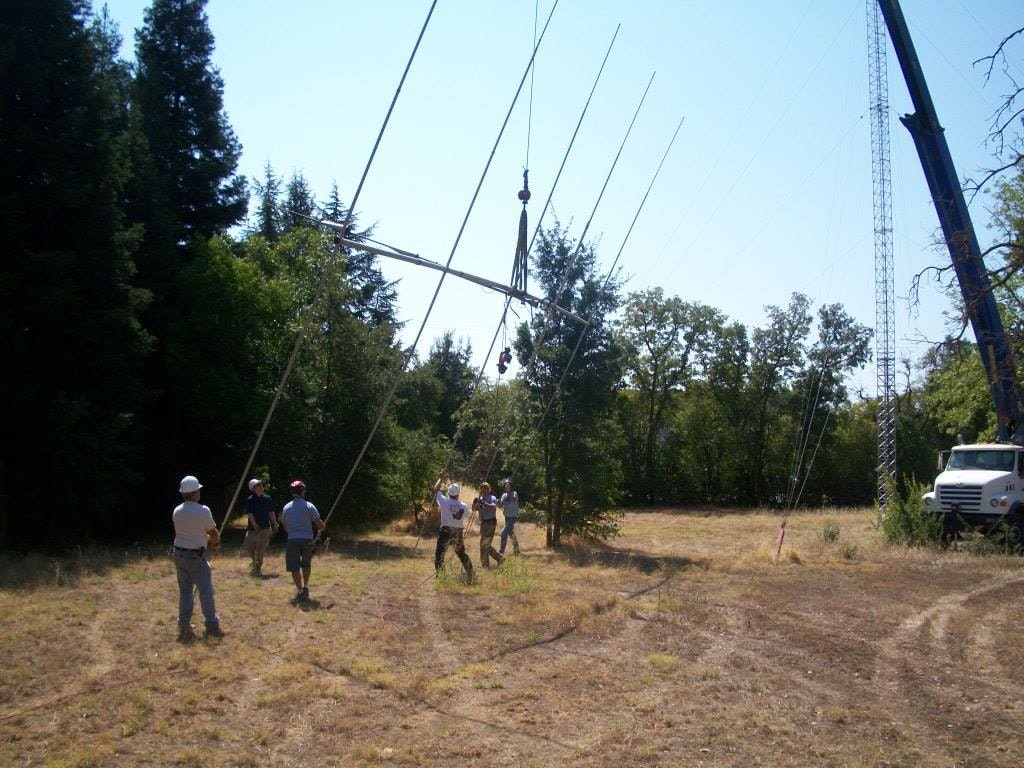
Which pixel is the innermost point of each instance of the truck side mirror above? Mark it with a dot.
(1020, 464)
(942, 458)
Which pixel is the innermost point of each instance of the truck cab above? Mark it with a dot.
(980, 486)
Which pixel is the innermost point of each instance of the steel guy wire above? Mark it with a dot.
(309, 316)
(412, 349)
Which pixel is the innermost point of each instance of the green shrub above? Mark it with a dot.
(830, 532)
(906, 521)
(1003, 539)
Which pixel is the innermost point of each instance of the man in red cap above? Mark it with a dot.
(299, 518)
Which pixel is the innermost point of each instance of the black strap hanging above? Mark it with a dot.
(519, 265)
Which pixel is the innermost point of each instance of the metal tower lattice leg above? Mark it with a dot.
(885, 355)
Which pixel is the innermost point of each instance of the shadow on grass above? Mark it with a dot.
(582, 554)
(312, 604)
(33, 569)
(369, 549)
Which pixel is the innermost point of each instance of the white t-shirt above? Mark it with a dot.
(191, 522)
(449, 508)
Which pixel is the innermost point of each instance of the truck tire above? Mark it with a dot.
(1015, 530)
(951, 527)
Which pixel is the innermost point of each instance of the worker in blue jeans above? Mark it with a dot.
(194, 532)
(509, 504)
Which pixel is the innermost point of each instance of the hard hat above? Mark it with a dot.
(297, 486)
(254, 482)
(189, 484)
(453, 490)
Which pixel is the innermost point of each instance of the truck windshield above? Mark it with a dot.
(995, 461)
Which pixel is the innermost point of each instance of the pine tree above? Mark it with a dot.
(268, 214)
(69, 314)
(374, 301)
(577, 437)
(179, 96)
(299, 202)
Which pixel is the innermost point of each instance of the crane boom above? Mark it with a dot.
(955, 219)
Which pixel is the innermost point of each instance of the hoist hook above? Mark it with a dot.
(524, 193)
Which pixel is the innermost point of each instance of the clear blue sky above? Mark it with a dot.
(767, 190)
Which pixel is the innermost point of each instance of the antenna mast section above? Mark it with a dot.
(885, 355)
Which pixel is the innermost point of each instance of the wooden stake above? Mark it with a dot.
(782, 536)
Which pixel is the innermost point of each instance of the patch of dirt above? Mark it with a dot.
(682, 642)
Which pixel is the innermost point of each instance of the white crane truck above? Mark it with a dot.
(980, 486)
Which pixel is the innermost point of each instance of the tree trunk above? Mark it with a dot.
(549, 532)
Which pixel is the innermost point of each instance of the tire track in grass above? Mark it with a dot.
(905, 668)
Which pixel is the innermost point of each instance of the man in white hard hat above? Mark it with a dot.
(453, 513)
(194, 531)
(259, 508)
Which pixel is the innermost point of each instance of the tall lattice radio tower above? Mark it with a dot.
(885, 355)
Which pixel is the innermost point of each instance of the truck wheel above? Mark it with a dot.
(1015, 533)
(950, 531)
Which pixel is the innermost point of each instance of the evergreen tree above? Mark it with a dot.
(186, 191)
(374, 300)
(179, 95)
(299, 203)
(578, 436)
(269, 218)
(69, 314)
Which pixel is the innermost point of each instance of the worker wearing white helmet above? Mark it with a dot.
(194, 531)
(453, 513)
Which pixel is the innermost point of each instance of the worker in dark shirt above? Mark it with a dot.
(259, 508)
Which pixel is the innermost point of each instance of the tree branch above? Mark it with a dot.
(998, 53)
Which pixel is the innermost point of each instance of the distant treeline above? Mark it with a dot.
(150, 299)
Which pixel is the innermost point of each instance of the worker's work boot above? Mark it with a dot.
(185, 633)
(214, 630)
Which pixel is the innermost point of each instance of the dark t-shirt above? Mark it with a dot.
(259, 507)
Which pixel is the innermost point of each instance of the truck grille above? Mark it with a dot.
(967, 496)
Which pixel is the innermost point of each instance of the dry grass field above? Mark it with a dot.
(681, 643)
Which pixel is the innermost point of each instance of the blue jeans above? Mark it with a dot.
(194, 571)
(509, 532)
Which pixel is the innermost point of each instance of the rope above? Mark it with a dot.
(537, 230)
(809, 417)
(810, 466)
(309, 316)
(563, 282)
(412, 349)
(529, 119)
(610, 275)
(611, 271)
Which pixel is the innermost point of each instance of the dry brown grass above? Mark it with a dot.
(682, 642)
